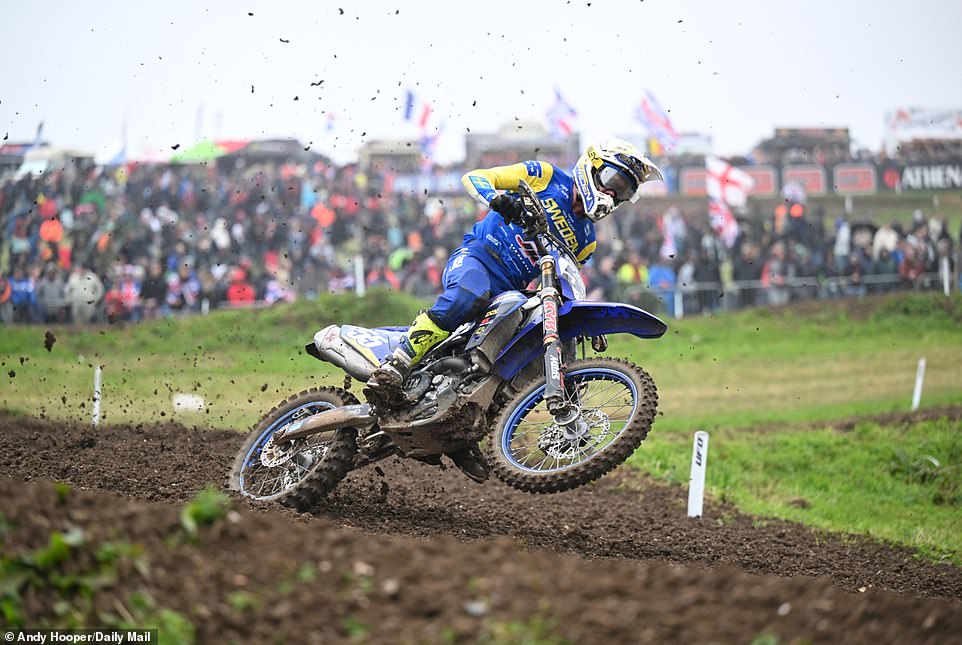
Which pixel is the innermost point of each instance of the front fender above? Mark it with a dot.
(577, 318)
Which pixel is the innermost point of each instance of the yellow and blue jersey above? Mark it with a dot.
(501, 246)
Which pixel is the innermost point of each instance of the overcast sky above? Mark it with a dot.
(176, 71)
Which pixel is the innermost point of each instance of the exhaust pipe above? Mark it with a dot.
(348, 416)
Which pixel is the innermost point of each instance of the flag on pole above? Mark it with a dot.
(726, 183)
(425, 116)
(428, 145)
(655, 120)
(417, 111)
(408, 105)
(722, 221)
(38, 138)
(561, 117)
(120, 157)
(429, 141)
(421, 114)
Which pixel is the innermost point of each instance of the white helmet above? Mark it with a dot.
(615, 165)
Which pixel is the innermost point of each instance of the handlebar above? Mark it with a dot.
(533, 206)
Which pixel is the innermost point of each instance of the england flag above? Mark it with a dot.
(723, 222)
(727, 183)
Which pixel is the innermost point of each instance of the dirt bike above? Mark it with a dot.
(510, 380)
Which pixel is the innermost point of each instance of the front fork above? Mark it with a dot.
(562, 411)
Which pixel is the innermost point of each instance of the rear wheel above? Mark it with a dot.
(295, 473)
(617, 402)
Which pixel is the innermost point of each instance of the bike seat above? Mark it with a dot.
(375, 344)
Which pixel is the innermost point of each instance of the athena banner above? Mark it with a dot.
(946, 175)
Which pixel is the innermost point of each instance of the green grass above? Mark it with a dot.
(765, 366)
(72, 572)
(898, 484)
(731, 370)
(240, 362)
(758, 380)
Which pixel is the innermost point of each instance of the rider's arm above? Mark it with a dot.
(483, 184)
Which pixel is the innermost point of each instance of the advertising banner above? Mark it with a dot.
(692, 182)
(854, 179)
(945, 175)
(766, 180)
(811, 178)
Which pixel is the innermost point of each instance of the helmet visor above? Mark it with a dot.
(616, 181)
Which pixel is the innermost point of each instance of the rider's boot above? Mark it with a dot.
(422, 335)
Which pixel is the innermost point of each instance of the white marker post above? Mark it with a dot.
(696, 485)
(919, 377)
(97, 379)
(946, 277)
(183, 402)
(359, 287)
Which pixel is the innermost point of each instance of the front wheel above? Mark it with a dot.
(617, 402)
(295, 473)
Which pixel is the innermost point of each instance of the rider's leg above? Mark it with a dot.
(467, 289)
(423, 334)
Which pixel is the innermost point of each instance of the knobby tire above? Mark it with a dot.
(597, 465)
(328, 472)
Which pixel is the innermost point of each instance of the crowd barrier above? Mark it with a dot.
(684, 300)
(710, 297)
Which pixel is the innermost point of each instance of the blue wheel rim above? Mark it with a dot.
(252, 459)
(535, 398)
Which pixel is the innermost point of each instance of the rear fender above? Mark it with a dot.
(577, 318)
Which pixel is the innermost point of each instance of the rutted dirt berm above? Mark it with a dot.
(444, 558)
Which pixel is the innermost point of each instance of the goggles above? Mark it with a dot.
(614, 179)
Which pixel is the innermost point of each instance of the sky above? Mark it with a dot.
(170, 73)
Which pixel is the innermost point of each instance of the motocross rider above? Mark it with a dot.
(496, 257)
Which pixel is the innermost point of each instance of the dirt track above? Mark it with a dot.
(447, 558)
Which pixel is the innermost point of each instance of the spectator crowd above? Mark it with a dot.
(141, 241)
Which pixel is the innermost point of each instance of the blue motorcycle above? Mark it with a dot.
(505, 393)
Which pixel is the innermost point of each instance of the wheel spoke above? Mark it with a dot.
(582, 455)
(593, 394)
(265, 482)
(612, 414)
(536, 423)
(261, 481)
(525, 459)
(607, 403)
(531, 431)
(541, 463)
(610, 385)
(615, 406)
(611, 398)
